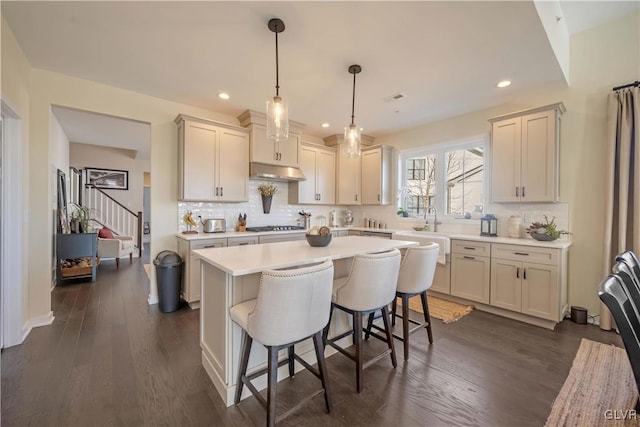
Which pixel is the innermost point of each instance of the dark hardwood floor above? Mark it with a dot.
(111, 359)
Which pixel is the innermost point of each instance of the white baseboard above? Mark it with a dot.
(152, 300)
(36, 322)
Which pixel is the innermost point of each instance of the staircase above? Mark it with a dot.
(106, 210)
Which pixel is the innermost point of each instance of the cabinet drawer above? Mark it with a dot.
(209, 243)
(241, 241)
(470, 247)
(533, 254)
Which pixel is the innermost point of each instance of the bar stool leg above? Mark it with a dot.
(369, 324)
(405, 325)
(357, 335)
(325, 332)
(291, 361)
(427, 316)
(245, 350)
(393, 311)
(387, 329)
(272, 380)
(322, 369)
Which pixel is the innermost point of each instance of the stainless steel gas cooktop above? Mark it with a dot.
(276, 228)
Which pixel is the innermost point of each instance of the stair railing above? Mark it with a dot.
(113, 214)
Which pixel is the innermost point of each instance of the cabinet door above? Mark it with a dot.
(505, 165)
(307, 189)
(371, 177)
(326, 175)
(470, 277)
(540, 291)
(288, 151)
(263, 150)
(441, 279)
(539, 149)
(191, 290)
(506, 284)
(348, 177)
(233, 166)
(199, 171)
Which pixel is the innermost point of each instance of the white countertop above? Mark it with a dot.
(526, 241)
(241, 260)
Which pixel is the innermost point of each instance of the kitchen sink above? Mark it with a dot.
(425, 237)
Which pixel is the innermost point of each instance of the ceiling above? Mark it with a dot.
(445, 57)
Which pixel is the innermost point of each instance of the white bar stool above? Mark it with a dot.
(416, 277)
(370, 286)
(292, 305)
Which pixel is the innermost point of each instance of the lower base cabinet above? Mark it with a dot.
(529, 280)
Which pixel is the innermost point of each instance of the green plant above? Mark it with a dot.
(82, 214)
(550, 228)
(267, 189)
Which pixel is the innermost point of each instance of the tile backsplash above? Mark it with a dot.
(283, 213)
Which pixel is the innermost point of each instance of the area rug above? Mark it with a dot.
(599, 391)
(147, 269)
(447, 311)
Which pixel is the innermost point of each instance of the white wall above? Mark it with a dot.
(86, 155)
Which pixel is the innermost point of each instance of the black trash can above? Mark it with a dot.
(169, 277)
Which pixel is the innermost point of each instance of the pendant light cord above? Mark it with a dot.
(277, 69)
(353, 99)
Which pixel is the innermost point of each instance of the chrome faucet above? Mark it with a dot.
(435, 217)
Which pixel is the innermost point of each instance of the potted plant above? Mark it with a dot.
(81, 216)
(403, 212)
(267, 191)
(545, 231)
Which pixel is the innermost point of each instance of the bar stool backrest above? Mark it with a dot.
(632, 265)
(372, 281)
(418, 268)
(291, 304)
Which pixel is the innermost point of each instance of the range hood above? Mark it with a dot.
(274, 172)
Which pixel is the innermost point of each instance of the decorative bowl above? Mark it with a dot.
(318, 240)
(542, 237)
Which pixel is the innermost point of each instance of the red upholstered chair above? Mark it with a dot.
(111, 246)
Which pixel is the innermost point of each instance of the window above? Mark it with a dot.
(449, 177)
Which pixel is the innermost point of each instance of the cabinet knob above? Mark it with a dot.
(217, 191)
(517, 192)
(221, 191)
(356, 197)
(524, 273)
(517, 272)
(523, 191)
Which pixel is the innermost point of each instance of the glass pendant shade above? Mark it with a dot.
(277, 119)
(351, 144)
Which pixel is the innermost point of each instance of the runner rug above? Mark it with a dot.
(599, 391)
(447, 311)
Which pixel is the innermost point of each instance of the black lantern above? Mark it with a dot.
(489, 226)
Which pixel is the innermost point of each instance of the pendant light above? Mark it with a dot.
(277, 112)
(351, 144)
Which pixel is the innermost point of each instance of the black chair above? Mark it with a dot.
(613, 295)
(629, 263)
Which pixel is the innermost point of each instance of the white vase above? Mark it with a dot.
(514, 225)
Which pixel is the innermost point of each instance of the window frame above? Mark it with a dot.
(439, 151)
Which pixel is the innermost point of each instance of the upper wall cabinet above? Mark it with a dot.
(525, 155)
(265, 150)
(376, 175)
(213, 161)
(318, 164)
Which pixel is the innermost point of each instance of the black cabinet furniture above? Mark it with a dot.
(74, 246)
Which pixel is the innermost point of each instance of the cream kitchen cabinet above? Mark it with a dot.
(348, 180)
(191, 270)
(265, 150)
(527, 280)
(525, 155)
(376, 175)
(213, 161)
(318, 165)
(470, 270)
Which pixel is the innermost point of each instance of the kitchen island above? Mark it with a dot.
(231, 275)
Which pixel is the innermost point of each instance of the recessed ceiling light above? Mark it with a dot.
(504, 83)
(325, 125)
(223, 95)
